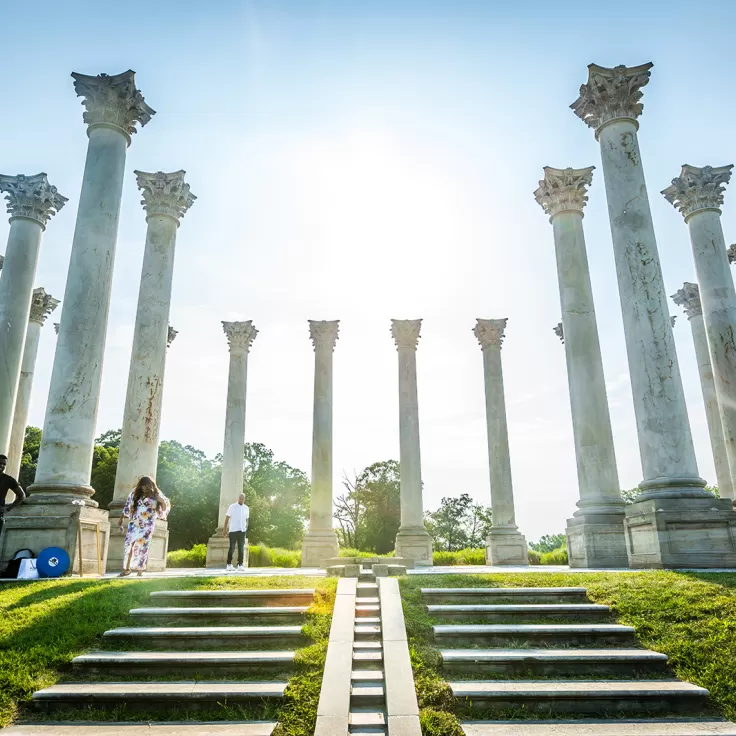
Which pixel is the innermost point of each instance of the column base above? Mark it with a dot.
(217, 547)
(681, 533)
(415, 544)
(319, 547)
(156, 554)
(506, 547)
(37, 526)
(597, 540)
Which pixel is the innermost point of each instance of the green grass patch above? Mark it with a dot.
(45, 624)
(690, 617)
(258, 556)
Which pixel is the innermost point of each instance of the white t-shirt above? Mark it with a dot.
(238, 514)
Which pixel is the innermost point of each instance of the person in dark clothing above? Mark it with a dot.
(8, 483)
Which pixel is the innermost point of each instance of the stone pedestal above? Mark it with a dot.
(506, 547)
(318, 547)
(415, 544)
(596, 540)
(156, 555)
(217, 547)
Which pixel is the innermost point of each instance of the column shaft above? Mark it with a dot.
(320, 518)
(412, 511)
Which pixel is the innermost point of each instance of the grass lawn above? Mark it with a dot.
(690, 617)
(44, 625)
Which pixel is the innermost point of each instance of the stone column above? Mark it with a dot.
(31, 202)
(505, 544)
(320, 541)
(689, 299)
(674, 522)
(412, 541)
(240, 336)
(114, 107)
(166, 198)
(595, 533)
(42, 304)
(698, 194)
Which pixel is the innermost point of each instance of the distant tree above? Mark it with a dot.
(478, 525)
(104, 469)
(549, 543)
(31, 446)
(349, 512)
(378, 491)
(111, 438)
(459, 523)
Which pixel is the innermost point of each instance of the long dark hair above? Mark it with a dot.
(146, 482)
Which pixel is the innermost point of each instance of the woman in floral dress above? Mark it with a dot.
(145, 504)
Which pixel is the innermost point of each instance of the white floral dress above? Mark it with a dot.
(140, 529)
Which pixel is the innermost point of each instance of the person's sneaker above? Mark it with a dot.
(241, 568)
(229, 568)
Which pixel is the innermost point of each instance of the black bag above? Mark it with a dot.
(11, 569)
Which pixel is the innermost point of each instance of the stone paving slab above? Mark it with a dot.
(502, 592)
(188, 728)
(187, 632)
(220, 611)
(551, 655)
(540, 689)
(530, 608)
(667, 727)
(522, 629)
(185, 658)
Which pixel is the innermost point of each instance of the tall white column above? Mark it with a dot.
(412, 541)
(320, 541)
(240, 336)
(42, 304)
(31, 202)
(114, 107)
(166, 198)
(505, 544)
(595, 533)
(689, 299)
(674, 522)
(698, 195)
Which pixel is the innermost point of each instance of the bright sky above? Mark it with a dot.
(368, 160)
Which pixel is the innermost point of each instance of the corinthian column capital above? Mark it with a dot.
(165, 194)
(406, 332)
(564, 190)
(689, 299)
(490, 332)
(42, 304)
(240, 334)
(113, 101)
(172, 333)
(559, 330)
(611, 93)
(324, 333)
(31, 197)
(698, 189)
(731, 252)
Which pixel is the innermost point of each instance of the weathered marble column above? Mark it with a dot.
(595, 533)
(114, 107)
(412, 541)
(320, 541)
(689, 299)
(31, 202)
(240, 336)
(166, 199)
(42, 304)
(505, 544)
(698, 195)
(674, 522)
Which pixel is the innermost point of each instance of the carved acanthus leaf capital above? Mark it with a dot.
(31, 196)
(240, 334)
(42, 304)
(406, 332)
(490, 332)
(559, 330)
(57, 325)
(113, 100)
(2, 262)
(563, 190)
(673, 319)
(165, 194)
(698, 189)
(689, 299)
(324, 333)
(731, 255)
(611, 93)
(170, 336)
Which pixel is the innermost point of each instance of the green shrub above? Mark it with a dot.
(261, 556)
(461, 557)
(534, 557)
(194, 557)
(555, 557)
(351, 552)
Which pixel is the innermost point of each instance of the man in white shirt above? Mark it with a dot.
(236, 525)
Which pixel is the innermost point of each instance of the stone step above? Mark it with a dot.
(367, 610)
(367, 645)
(155, 663)
(147, 695)
(561, 662)
(128, 728)
(370, 693)
(529, 595)
(490, 612)
(368, 660)
(368, 600)
(367, 632)
(275, 597)
(597, 635)
(370, 621)
(367, 676)
(584, 696)
(664, 727)
(366, 717)
(361, 585)
(199, 637)
(223, 613)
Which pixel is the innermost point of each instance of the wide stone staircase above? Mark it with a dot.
(192, 650)
(548, 653)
